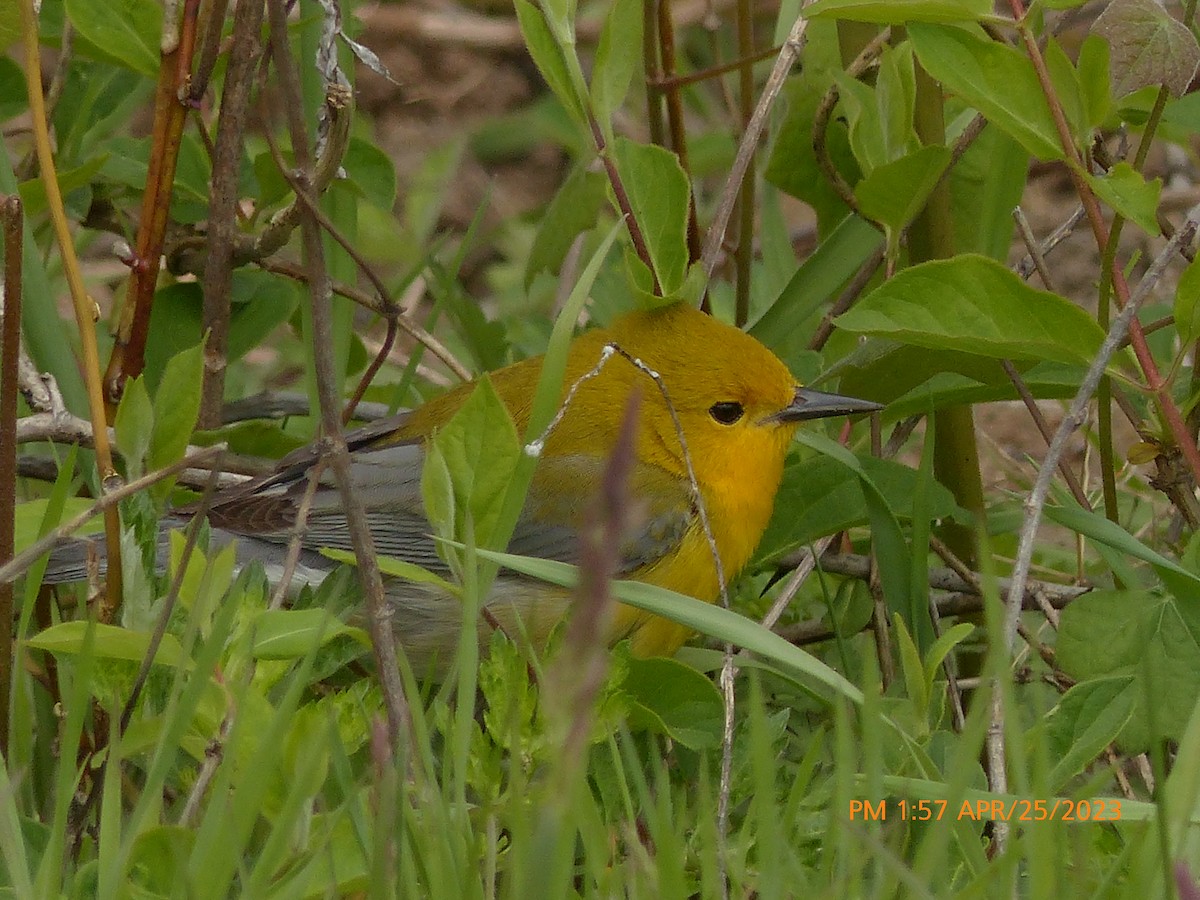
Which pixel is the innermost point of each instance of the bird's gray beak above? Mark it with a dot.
(810, 404)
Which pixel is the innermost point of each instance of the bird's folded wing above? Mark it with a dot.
(388, 481)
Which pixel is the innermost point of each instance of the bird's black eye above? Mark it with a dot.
(727, 411)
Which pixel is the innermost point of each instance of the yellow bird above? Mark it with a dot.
(737, 404)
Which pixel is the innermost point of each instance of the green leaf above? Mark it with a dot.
(821, 496)
(894, 193)
(548, 56)
(671, 698)
(1093, 68)
(793, 166)
(14, 98)
(985, 184)
(1129, 193)
(1089, 717)
(975, 305)
(1187, 303)
(480, 450)
(176, 406)
(835, 260)
(1148, 645)
(292, 633)
(1179, 580)
(618, 56)
(1147, 47)
(372, 172)
(707, 618)
(134, 425)
(127, 164)
(126, 30)
(891, 549)
(659, 195)
(33, 192)
(574, 210)
(941, 649)
(260, 303)
(995, 79)
(911, 380)
(395, 568)
(880, 117)
(898, 12)
(111, 642)
(912, 669)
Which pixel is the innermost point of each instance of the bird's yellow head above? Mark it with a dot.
(736, 402)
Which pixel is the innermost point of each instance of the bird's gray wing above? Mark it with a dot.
(388, 481)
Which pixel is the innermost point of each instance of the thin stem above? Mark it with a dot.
(83, 304)
(334, 443)
(10, 356)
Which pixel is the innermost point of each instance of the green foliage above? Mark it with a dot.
(254, 760)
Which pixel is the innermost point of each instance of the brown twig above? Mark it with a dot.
(17, 566)
(673, 94)
(788, 54)
(13, 225)
(222, 209)
(170, 114)
(334, 444)
(406, 323)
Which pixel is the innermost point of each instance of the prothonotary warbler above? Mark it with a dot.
(737, 404)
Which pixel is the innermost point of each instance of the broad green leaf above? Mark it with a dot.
(995, 79)
(985, 184)
(820, 496)
(1069, 90)
(835, 260)
(33, 192)
(480, 448)
(674, 699)
(176, 406)
(975, 305)
(1147, 47)
(1092, 66)
(891, 549)
(793, 166)
(1129, 193)
(574, 210)
(911, 380)
(659, 195)
(1151, 642)
(1089, 717)
(14, 98)
(260, 303)
(133, 425)
(1187, 303)
(126, 30)
(618, 55)
(372, 172)
(548, 56)
(880, 116)
(894, 193)
(291, 633)
(127, 164)
(899, 12)
(111, 642)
